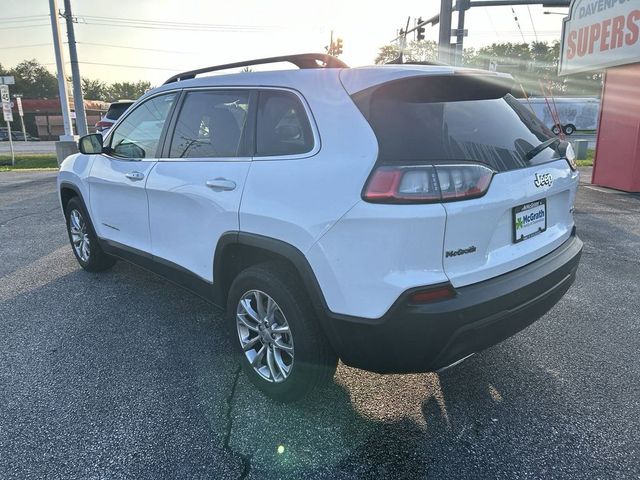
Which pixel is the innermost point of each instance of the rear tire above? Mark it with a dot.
(83, 239)
(569, 129)
(296, 358)
(556, 129)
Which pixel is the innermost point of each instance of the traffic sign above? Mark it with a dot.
(6, 103)
(7, 80)
(6, 112)
(19, 102)
(4, 94)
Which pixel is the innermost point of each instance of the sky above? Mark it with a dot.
(129, 40)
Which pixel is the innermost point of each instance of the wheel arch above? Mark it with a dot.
(239, 250)
(67, 191)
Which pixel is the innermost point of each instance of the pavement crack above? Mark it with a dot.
(24, 215)
(246, 460)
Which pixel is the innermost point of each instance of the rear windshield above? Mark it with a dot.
(116, 110)
(425, 121)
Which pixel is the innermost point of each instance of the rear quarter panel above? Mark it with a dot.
(298, 199)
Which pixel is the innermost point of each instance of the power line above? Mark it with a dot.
(17, 22)
(167, 25)
(28, 46)
(123, 66)
(532, 24)
(27, 26)
(102, 45)
(155, 27)
(491, 22)
(134, 66)
(132, 48)
(176, 24)
(21, 18)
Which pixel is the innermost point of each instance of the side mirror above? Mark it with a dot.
(91, 144)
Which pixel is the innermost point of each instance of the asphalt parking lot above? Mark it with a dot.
(123, 375)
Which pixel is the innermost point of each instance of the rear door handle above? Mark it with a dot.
(221, 184)
(134, 176)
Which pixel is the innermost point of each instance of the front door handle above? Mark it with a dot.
(221, 184)
(134, 176)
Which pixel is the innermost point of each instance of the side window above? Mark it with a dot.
(139, 133)
(211, 124)
(283, 127)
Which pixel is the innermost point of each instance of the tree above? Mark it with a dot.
(533, 64)
(422, 51)
(387, 53)
(127, 90)
(415, 51)
(33, 80)
(94, 89)
(530, 64)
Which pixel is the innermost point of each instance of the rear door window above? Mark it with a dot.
(211, 124)
(283, 127)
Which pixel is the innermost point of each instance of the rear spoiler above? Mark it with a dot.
(356, 80)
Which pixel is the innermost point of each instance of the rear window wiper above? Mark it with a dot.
(536, 150)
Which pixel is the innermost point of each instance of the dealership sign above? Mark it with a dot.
(599, 34)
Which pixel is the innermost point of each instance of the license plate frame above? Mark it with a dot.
(536, 225)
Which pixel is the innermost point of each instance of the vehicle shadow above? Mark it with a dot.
(123, 373)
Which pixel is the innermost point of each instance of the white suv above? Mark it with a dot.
(398, 217)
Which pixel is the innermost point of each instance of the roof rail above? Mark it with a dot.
(301, 60)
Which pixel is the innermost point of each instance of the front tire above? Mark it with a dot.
(556, 129)
(274, 331)
(569, 129)
(83, 239)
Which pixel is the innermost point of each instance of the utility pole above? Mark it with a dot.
(78, 98)
(444, 38)
(62, 80)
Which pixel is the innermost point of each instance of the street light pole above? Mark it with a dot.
(62, 80)
(78, 98)
(444, 38)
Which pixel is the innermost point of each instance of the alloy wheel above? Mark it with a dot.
(265, 336)
(79, 235)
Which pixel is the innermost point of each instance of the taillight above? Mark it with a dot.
(427, 184)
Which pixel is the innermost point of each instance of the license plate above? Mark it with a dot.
(529, 220)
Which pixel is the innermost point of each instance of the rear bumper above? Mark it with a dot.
(420, 338)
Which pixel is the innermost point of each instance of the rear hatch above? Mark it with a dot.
(451, 122)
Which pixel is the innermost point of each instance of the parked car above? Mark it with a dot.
(16, 136)
(21, 137)
(116, 109)
(374, 214)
